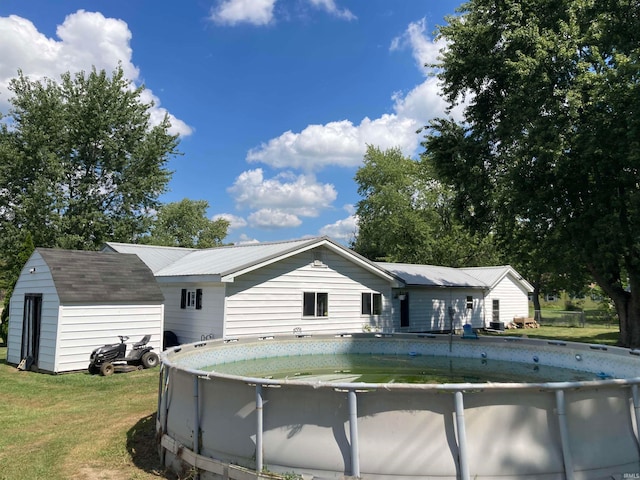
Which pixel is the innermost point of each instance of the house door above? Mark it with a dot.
(404, 311)
(31, 320)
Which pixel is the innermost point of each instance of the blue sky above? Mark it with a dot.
(274, 100)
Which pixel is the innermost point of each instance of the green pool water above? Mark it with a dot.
(370, 368)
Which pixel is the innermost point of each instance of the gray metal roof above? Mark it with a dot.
(432, 276)
(492, 275)
(156, 257)
(228, 261)
(85, 277)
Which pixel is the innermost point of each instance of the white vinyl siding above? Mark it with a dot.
(81, 329)
(192, 325)
(39, 281)
(429, 309)
(514, 300)
(269, 300)
(69, 333)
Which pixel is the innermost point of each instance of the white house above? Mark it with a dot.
(66, 303)
(305, 286)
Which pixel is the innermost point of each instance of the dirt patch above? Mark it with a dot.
(91, 473)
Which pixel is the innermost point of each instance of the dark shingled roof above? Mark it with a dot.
(84, 277)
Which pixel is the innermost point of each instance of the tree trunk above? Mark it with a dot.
(536, 302)
(627, 305)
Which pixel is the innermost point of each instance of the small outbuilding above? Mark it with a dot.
(68, 302)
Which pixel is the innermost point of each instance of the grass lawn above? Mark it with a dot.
(593, 334)
(86, 427)
(78, 426)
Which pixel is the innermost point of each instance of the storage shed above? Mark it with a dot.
(68, 302)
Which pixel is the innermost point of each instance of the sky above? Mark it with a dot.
(275, 101)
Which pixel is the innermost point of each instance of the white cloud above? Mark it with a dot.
(336, 143)
(86, 39)
(261, 12)
(425, 50)
(345, 229)
(331, 7)
(343, 143)
(297, 194)
(235, 222)
(269, 218)
(280, 201)
(233, 12)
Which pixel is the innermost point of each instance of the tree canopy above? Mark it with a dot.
(405, 215)
(185, 224)
(80, 162)
(547, 154)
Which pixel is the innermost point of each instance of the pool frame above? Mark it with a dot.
(551, 430)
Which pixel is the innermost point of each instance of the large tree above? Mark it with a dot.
(80, 162)
(185, 224)
(407, 216)
(548, 153)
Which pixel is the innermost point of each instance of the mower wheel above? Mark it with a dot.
(93, 369)
(107, 369)
(150, 360)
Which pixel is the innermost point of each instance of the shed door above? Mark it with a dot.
(31, 320)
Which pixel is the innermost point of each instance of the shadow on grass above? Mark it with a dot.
(142, 446)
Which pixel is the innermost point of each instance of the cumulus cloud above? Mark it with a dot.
(345, 229)
(425, 51)
(331, 7)
(85, 39)
(269, 219)
(280, 201)
(261, 12)
(233, 12)
(343, 143)
(235, 222)
(297, 194)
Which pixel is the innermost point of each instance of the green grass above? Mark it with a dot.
(79, 426)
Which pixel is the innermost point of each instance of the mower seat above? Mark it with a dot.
(142, 342)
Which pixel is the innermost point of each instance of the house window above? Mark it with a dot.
(469, 302)
(495, 311)
(371, 303)
(191, 299)
(315, 304)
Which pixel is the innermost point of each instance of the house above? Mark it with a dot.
(308, 286)
(436, 298)
(66, 303)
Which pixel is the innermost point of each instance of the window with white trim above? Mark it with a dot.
(469, 302)
(371, 303)
(315, 304)
(191, 298)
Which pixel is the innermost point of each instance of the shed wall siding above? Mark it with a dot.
(514, 300)
(192, 325)
(39, 282)
(429, 309)
(269, 301)
(83, 328)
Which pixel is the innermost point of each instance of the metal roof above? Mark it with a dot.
(233, 260)
(85, 277)
(156, 257)
(230, 259)
(492, 275)
(432, 275)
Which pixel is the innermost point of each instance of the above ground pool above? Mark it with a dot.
(400, 406)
